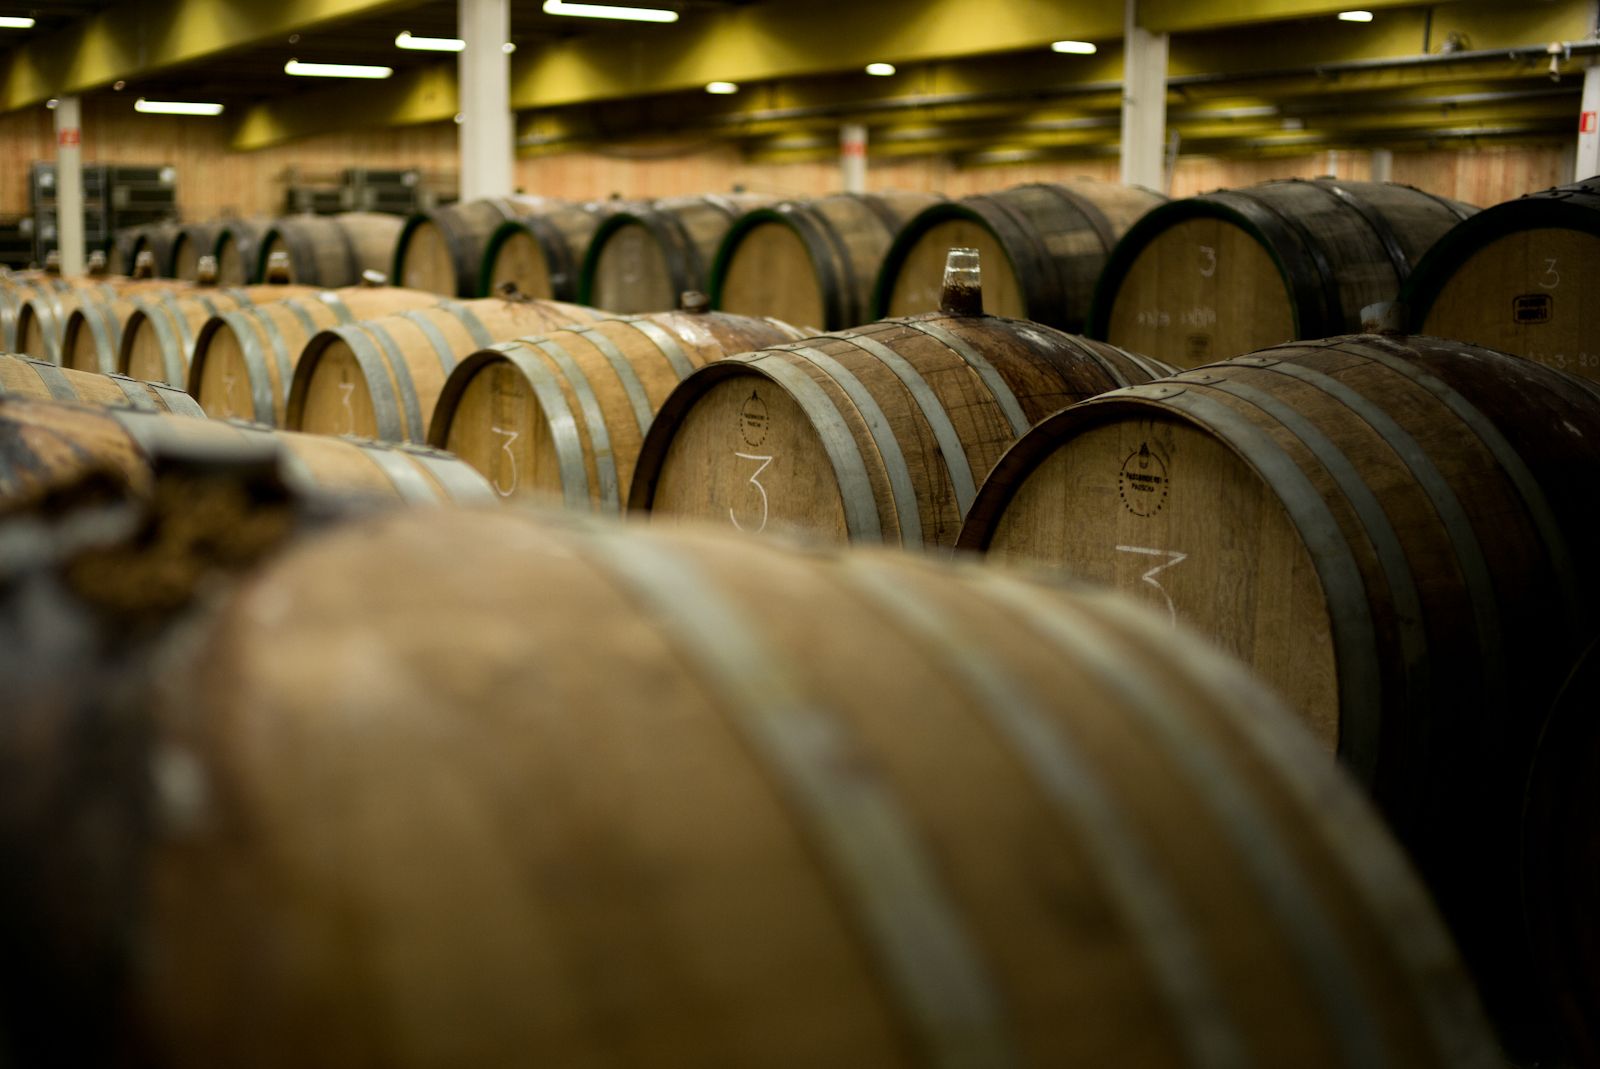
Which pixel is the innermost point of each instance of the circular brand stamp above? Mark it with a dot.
(753, 420)
(1143, 483)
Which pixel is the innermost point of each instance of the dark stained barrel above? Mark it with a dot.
(156, 239)
(237, 251)
(1226, 273)
(811, 262)
(1043, 246)
(442, 251)
(541, 252)
(192, 241)
(643, 260)
(331, 250)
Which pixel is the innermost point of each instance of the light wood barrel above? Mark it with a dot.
(156, 239)
(49, 442)
(244, 360)
(811, 262)
(1561, 840)
(560, 418)
(331, 250)
(42, 320)
(1043, 246)
(380, 378)
(158, 336)
(22, 376)
(1390, 531)
(236, 250)
(541, 252)
(879, 434)
(1226, 273)
(1518, 277)
(896, 815)
(193, 241)
(643, 260)
(442, 251)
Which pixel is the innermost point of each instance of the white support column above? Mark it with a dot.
(853, 157)
(69, 185)
(1144, 104)
(1588, 162)
(1382, 165)
(485, 86)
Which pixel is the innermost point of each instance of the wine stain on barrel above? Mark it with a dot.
(1143, 483)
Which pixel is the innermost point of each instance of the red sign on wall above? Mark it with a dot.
(70, 136)
(1588, 122)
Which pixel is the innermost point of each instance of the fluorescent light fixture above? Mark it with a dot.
(882, 70)
(176, 107)
(1074, 48)
(1355, 16)
(335, 70)
(15, 22)
(430, 44)
(722, 88)
(609, 11)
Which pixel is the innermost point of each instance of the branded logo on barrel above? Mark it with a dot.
(1532, 308)
(1143, 482)
(753, 420)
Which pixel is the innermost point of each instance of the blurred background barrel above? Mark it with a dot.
(811, 262)
(1043, 246)
(560, 418)
(331, 250)
(541, 252)
(237, 251)
(1225, 273)
(192, 241)
(442, 251)
(25, 377)
(642, 260)
(1519, 277)
(157, 339)
(158, 240)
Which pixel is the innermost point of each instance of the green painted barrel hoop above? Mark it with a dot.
(912, 232)
(822, 253)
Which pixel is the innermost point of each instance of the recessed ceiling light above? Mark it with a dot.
(882, 70)
(608, 11)
(508, 48)
(1074, 48)
(722, 88)
(15, 22)
(430, 44)
(336, 70)
(1355, 16)
(176, 107)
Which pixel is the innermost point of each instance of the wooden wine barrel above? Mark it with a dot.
(442, 251)
(1561, 840)
(541, 252)
(1518, 277)
(897, 815)
(380, 378)
(158, 240)
(42, 319)
(158, 335)
(1043, 246)
(48, 442)
(1389, 531)
(25, 377)
(121, 257)
(331, 250)
(878, 434)
(643, 260)
(244, 360)
(811, 262)
(237, 251)
(561, 417)
(193, 241)
(1226, 273)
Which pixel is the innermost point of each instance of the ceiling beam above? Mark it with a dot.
(420, 95)
(138, 37)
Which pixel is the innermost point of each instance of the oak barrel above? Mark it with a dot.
(1389, 530)
(1519, 277)
(811, 262)
(816, 810)
(193, 241)
(642, 260)
(1043, 246)
(158, 336)
(244, 360)
(541, 252)
(157, 239)
(1226, 273)
(47, 442)
(43, 320)
(442, 251)
(561, 417)
(331, 250)
(379, 378)
(22, 376)
(236, 250)
(882, 433)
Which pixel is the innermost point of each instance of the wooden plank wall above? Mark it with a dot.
(213, 182)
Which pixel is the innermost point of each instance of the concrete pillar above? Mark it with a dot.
(1588, 162)
(853, 157)
(1382, 165)
(485, 87)
(69, 185)
(1144, 103)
